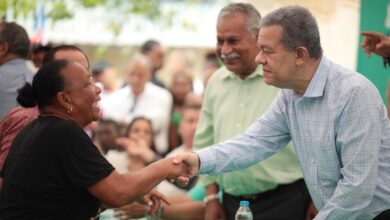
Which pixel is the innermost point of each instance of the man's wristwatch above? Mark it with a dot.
(208, 198)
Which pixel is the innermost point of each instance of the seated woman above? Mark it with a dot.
(139, 144)
(143, 151)
(53, 170)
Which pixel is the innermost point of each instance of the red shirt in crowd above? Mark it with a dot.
(12, 123)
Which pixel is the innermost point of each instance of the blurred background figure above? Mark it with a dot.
(185, 204)
(37, 53)
(141, 98)
(210, 66)
(106, 133)
(14, 71)
(154, 51)
(187, 127)
(181, 85)
(141, 149)
(378, 43)
(105, 75)
(193, 99)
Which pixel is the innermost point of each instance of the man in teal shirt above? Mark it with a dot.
(235, 96)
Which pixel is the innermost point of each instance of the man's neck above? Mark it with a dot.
(306, 76)
(247, 72)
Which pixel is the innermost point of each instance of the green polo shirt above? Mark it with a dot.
(230, 105)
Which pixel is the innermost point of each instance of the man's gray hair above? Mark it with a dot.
(16, 37)
(299, 29)
(253, 16)
(139, 58)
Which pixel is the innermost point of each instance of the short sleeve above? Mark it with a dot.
(81, 161)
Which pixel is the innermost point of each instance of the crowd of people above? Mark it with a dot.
(279, 125)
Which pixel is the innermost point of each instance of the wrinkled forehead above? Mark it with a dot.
(270, 34)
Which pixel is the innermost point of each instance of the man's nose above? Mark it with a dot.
(226, 49)
(260, 58)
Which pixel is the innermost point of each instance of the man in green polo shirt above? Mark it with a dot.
(234, 97)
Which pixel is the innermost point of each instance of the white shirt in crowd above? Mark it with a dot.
(154, 103)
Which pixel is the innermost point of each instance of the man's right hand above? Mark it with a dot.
(214, 211)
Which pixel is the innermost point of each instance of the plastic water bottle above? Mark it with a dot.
(244, 212)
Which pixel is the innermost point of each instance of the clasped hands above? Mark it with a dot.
(189, 164)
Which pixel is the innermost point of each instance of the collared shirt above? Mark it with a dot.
(13, 75)
(230, 105)
(341, 134)
(12, 123)
(153, 103)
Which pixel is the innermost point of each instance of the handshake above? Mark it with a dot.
(182, 167)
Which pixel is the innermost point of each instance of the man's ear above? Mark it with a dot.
(302, 54)
(64, 100)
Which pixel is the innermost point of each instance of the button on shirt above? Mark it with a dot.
(341, 134)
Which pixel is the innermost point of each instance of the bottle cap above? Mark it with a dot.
(244, 203)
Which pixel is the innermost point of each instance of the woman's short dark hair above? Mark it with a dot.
(49, 56)
(47, 82)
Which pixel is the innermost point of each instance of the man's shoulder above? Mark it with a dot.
(119, 94)
(348, 80)
(154, 90)
(15, 69)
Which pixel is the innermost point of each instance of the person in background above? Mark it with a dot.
(379, 44)
(106, 133)
(141, 98)
(135, 151)
(181, 85)
(235, 95)
(187, 127)
(37, 53)
(183, 206)
(142, 150)
(154, 51)
(54, 170)
(138, 143)
(14, 70)
(105, 75)
(335, 117)
(193, 99)
(211, 65)
(19, 117)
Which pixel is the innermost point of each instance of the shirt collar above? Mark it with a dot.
(317, 83)
(229, 74)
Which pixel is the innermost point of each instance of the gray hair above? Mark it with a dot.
(299, 29)
(16, 37)
(253, 16)
(139, 58)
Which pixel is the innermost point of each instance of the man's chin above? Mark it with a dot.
(233, 68)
